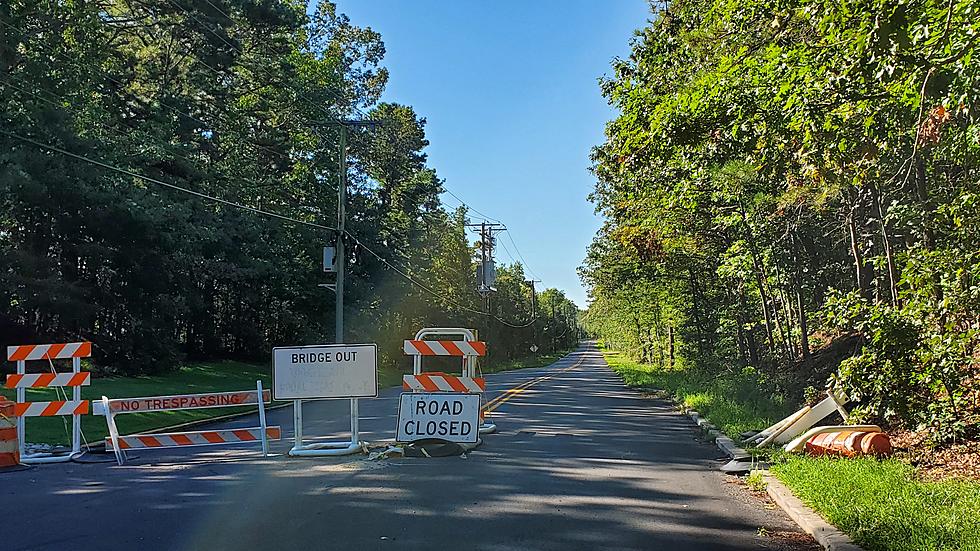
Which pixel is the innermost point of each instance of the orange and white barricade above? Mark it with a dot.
(119, 444)
(76, 407)
(468, 349)
(443, 382)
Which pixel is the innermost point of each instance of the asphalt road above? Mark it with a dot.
(579, 462)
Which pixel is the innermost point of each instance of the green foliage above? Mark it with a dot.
(734, 402)
(765, 155)
(238, 100)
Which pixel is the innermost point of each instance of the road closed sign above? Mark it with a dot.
(325, 371)
(445, 416)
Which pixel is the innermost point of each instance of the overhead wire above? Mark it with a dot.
(63, 107)
(174, 187)
(171, 108)
(240, 51)
(261, 212)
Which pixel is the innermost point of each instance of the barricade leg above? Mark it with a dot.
(76, 420)
(21, 397)
(262, 424)
(110, 421)
(327, 448)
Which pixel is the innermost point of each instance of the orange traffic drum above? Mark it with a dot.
(848, 443)
(9, 453)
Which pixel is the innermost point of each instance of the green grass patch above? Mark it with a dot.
(882, 506)
(734, 402)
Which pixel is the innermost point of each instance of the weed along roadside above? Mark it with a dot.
(882, 504)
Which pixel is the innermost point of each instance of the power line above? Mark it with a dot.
(465, 204)
(62, 106)
(514, 243)
(262, 213)
(121, 84)
(166, 184)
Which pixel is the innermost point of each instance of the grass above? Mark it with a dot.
(734, 404)
(882, 506)
(879, 503)
(190, 379)
(193, 378)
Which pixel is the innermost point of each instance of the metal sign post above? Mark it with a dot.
(325, 372)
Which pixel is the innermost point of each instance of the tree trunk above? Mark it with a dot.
(862, 271)
(696, 303)
(753, 347)
(759, 279)
(886, 244)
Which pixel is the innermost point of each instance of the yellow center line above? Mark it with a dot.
(508, 394)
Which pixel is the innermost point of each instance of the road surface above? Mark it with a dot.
(580, 462)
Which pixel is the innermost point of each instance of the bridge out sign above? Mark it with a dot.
(325, 371)
(444, 416)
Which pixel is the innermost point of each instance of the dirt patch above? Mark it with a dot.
(779, 533)
(955, 461)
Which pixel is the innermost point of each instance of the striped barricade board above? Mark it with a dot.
(21, 381)
(182, 401)
(445, 348)
(118, 444)
(197, 438)
(49, 351)
(43, 380)
(442, 382)
(51, 409)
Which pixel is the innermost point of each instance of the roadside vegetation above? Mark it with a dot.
(794, 187)
(882, 504)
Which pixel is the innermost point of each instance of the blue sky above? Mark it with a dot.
(509, 89)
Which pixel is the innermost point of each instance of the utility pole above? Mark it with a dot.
(341, 229)
(486, 271)
(341, 254)
(534, 314)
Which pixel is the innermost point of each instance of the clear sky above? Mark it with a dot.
(509, 89)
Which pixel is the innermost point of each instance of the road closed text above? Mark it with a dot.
(446, 416)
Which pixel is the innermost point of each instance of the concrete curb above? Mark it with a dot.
(825, 533)
(812, 523)
(723, 442)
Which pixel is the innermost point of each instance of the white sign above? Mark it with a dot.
(325, 371)
(444, 415)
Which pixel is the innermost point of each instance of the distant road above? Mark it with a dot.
(580, 462)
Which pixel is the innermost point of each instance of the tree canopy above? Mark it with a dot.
(119, 119)
(784, 176)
